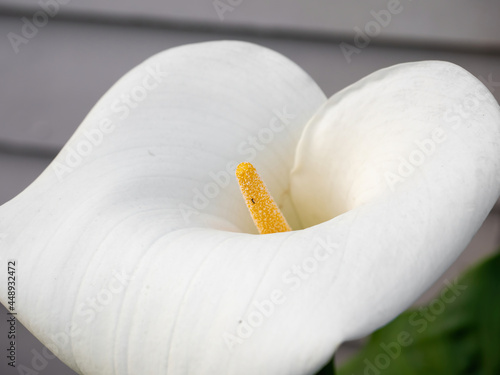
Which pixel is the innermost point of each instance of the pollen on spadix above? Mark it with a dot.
(264, 210)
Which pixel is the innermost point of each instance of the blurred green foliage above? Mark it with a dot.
(457, 333)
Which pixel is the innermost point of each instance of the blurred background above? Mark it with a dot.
(58, 57)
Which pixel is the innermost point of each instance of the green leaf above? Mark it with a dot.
(456, 333)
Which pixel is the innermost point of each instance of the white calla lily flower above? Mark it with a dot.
(136, 250)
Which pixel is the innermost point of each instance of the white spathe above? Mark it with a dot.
(134, 249)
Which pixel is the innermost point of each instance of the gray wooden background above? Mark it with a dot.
(53, 74)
